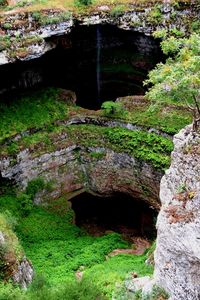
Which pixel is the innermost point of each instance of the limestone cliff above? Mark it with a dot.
(29, 34)
(177, 256)
(76, 169)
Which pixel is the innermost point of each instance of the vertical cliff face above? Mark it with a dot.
(177, 257)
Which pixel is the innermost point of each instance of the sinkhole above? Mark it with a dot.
(119, 213)
(97, 62)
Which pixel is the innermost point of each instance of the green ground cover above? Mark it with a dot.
(31, 111)
(42, 108)
(58, 249)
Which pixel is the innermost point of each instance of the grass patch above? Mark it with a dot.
(35, 111)
(58, 249)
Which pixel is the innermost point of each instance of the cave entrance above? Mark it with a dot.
(97, 62)
(120, 213)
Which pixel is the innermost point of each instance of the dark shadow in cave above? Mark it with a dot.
(6, 185)
(98, 62)
(120, 213)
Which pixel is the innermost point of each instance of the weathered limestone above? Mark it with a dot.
(14, 264)
(75, 169)
(139, 18)
(24, 273)
(177, 256)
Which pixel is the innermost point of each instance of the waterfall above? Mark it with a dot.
(98, 71)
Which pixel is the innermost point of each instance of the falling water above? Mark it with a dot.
(98, 36)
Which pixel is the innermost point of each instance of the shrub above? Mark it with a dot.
(25, 203)
(117, 10)
(3, 3)
(83, 2)
(34, 186)
(111, 108)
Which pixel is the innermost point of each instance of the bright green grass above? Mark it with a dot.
(35, 111)
(58, 249)
(40, 109)
(140, 144)
(169, 121)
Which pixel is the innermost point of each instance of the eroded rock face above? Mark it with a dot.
(24, 273)
(14, 264)
(177, 256)
(74, 169)
(35, 30)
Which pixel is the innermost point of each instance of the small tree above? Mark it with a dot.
(178, 80)
(111, 109)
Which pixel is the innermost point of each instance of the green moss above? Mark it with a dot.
(155, 15)
(4, 42)
(58, 249)
(117, 10)
(35, 111)
(143, 145)
(45, 19)
(11, 250)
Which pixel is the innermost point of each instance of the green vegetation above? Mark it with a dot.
(83, 2)
(178, 80)
(143, 145)
(169, 118)
(4, 42)
(45, 19)
(117, 10)
(58, 249)
(35, 111)
(39, 112)
(3, 3)
(10, 248)
(111, 108)
(155, 15)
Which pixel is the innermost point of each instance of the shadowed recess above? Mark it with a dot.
(119, 212)
(97, 62)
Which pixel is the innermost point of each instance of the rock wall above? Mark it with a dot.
(177, 256)
(13, 263)
(36, 29)
(74, 170)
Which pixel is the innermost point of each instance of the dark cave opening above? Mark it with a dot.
(119, 213)
(99, 63)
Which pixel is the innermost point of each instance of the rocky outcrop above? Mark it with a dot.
(24, 273)
(13, 263)
(37, 29)
(177, 256)
(76, 169)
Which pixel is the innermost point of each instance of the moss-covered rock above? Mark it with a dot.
(13, 263)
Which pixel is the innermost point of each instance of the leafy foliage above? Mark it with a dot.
(142, 145)
(111, 108)
(34, 186)
(83, 2)
(178, 80)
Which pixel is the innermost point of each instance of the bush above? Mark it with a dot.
(25, 203)
(117, 10)
(34, 186)
(83, 2)
(3, 3)
(111, 108)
